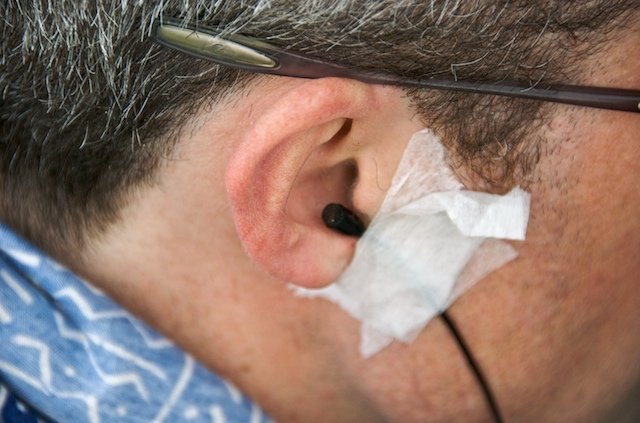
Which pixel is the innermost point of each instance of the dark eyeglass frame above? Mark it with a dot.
(252, 55)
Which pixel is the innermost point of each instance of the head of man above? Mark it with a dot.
(191, 193)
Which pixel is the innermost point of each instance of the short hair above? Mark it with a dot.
(90, 106)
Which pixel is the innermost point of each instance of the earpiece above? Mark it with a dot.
(343, 220)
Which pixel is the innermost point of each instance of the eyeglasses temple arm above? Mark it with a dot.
(256, 56)
(597, 97)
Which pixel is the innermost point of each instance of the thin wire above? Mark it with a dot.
(475, 368)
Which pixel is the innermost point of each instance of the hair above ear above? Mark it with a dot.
(324, 141)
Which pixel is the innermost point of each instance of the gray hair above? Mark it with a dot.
(90, 106)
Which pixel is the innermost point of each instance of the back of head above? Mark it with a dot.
(91, 107)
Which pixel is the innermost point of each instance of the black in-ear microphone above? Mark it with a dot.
(343, 220)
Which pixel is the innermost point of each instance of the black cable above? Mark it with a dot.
(475, 367)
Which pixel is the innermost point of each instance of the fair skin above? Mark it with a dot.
(204, 254)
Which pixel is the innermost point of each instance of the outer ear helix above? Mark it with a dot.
(272, 157)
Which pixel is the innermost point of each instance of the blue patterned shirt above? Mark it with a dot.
(68, 353)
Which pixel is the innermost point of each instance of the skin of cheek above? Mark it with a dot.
(553, 327)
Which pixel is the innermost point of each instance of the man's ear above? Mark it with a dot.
(325, 141)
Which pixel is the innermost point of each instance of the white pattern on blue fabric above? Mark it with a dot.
(70, 353)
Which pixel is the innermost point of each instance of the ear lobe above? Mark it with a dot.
(299, 155)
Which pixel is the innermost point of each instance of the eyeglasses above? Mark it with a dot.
(257, 56)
